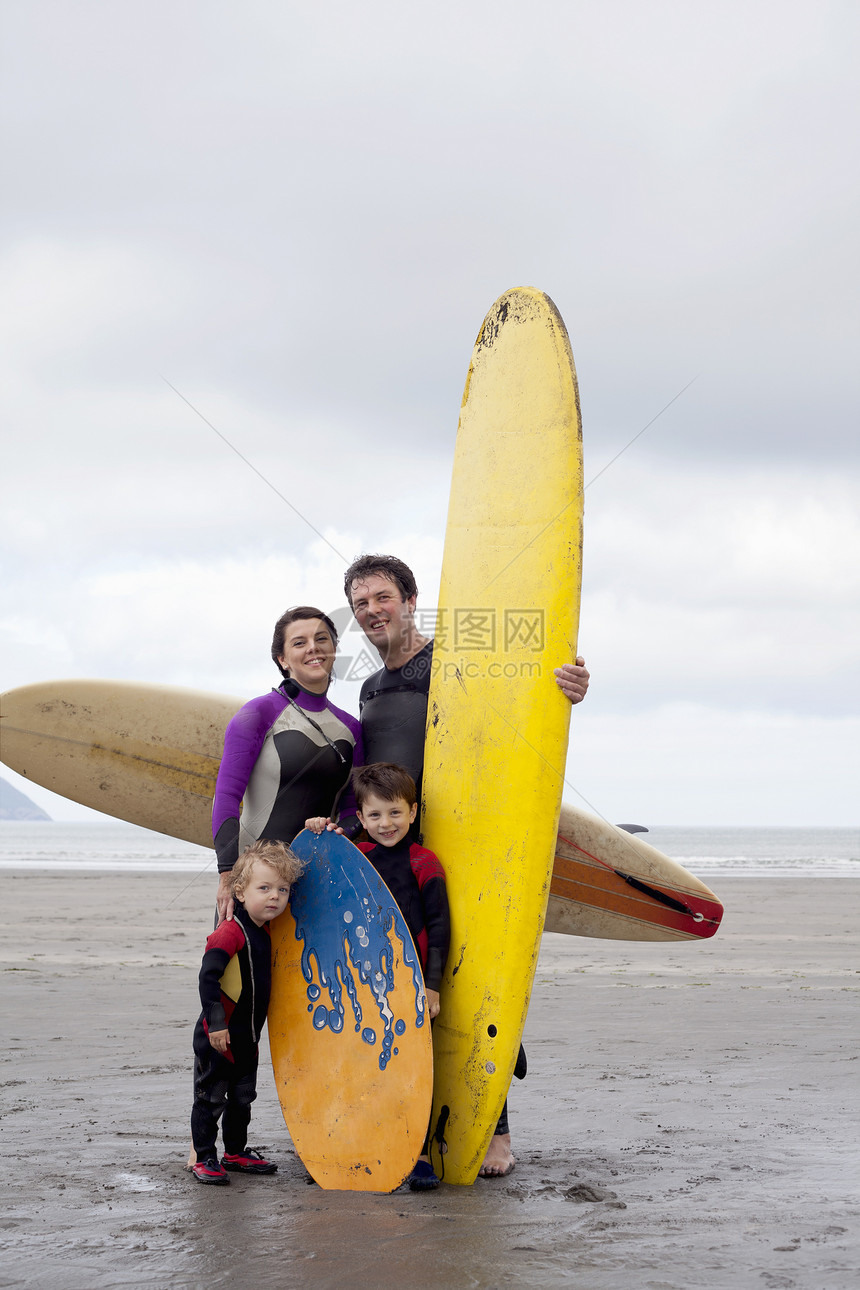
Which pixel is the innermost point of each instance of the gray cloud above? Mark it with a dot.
(299, 215)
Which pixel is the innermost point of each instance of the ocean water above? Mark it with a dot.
(760, 852)
(101, 845)
(706, 852)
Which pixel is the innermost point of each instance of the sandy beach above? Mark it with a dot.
(689, 1118)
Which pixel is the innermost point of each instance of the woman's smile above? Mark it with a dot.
(309, 654)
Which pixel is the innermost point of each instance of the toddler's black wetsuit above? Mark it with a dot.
(228, 1083)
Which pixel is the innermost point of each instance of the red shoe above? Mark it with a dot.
(248, 1162)
(209, 1171)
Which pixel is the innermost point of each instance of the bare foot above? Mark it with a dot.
(499, 1160)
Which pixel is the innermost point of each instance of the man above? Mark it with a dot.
(382, 593)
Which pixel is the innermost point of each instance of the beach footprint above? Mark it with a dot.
(582, 1193)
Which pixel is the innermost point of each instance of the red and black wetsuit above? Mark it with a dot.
(416, 880)
(228, 1083)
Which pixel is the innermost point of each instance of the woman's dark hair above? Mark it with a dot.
(297, 614)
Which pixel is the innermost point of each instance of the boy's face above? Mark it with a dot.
(381, 611)
(387, 822)
(265, 895)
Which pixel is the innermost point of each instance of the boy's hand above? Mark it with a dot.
(572, 679)
(321, 824)
(220, 1040)
(432, 1003)
(224, 896)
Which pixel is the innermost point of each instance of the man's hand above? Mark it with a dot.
(572, 679)
(224, 896)
(219, 1039)
(432, 1003)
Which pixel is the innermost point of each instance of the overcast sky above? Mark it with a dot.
(297, 215)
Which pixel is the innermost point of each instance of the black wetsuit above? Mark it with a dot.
(228, 1083)
(393, 708)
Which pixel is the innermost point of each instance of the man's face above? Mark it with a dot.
(381, 612)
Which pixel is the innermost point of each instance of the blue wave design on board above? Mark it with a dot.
(343, 913)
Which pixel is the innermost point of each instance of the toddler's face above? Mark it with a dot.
(265, 894)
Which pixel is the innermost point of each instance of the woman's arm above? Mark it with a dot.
(243, 740)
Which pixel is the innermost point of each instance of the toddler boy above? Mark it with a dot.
(235, 981)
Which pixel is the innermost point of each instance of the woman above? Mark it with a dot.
(288, 754)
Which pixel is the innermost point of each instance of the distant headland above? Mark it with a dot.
(15, 805)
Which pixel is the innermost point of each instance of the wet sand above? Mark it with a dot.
(690, 1115)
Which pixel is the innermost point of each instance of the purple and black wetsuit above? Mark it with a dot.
(287, 756)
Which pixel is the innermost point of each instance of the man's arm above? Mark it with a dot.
(572, 679)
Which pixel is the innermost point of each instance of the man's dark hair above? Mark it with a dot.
(383, 779)
(295, 615)
(386, 566)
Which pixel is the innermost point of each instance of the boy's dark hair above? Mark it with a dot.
(285, 862)
(297, 614)
(386, 566)
(383, 779)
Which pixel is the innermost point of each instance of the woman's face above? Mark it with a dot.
(308, 654)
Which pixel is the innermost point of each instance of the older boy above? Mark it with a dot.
(387, 804)
(235, 980)
(382, 594)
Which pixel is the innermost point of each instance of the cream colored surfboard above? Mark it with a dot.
(149, 754)
(610, 884)
(497, 724)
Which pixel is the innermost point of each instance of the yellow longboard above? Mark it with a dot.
(497, 725)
